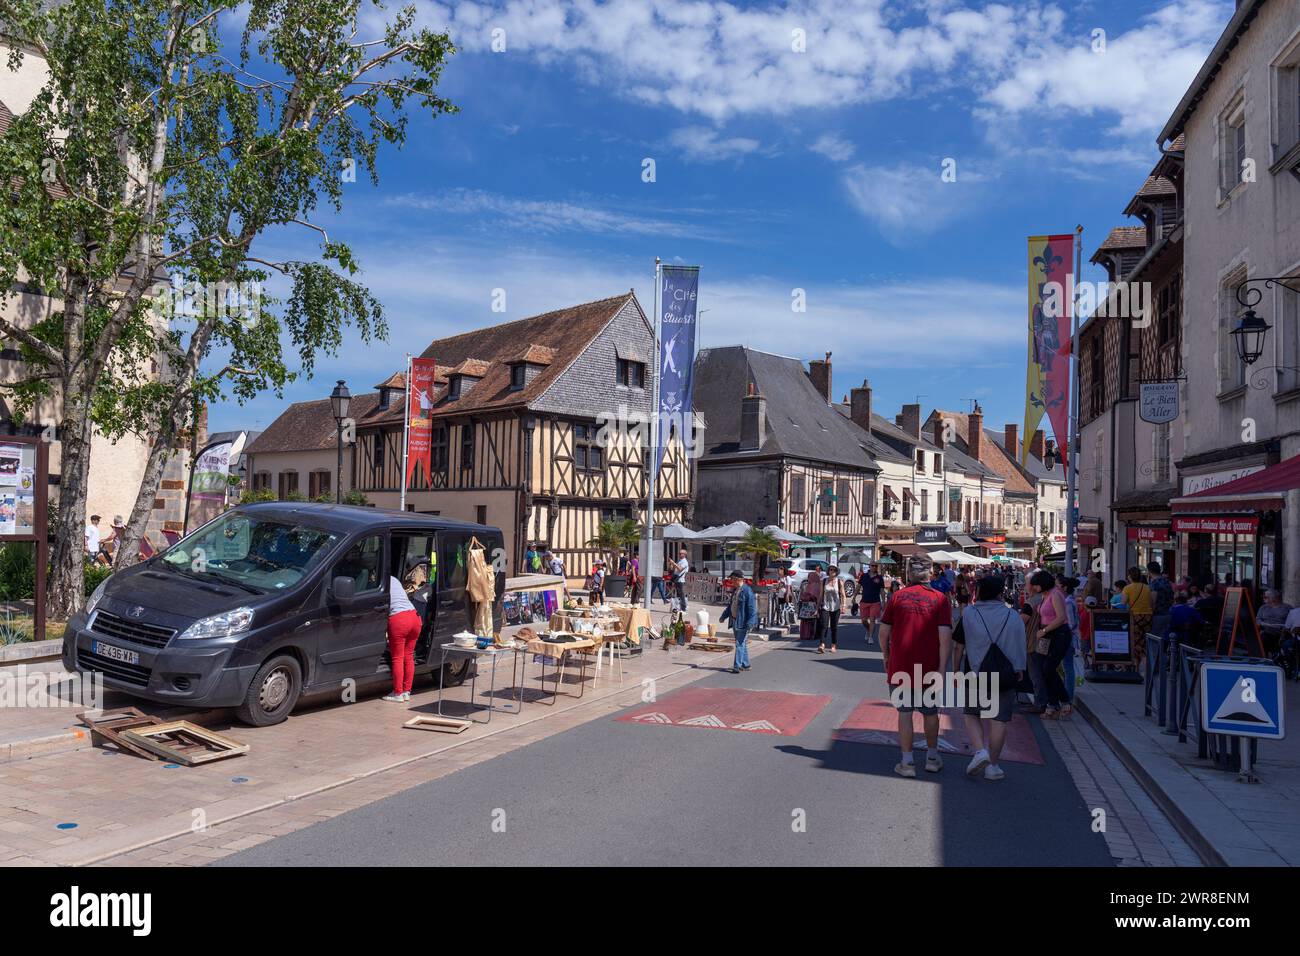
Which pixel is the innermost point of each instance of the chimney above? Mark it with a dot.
(909, 420)
(1011, 438)
(860, 406)
(1036, 447)
(936, 430)
(819, 370)
(753, 420)
(975, 433)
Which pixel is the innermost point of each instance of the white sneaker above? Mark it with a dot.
(993, 772)
(933, 763)
(395, 698)
(406, 695)
(905, 769)
(978, 762)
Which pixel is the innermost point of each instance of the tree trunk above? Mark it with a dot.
(66, 589)
(160, 452)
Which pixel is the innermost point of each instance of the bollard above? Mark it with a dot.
(1161, 669)
(1173, 670)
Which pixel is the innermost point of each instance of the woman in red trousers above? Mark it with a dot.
(403, 631)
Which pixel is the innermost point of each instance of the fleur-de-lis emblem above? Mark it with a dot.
(1048, 260)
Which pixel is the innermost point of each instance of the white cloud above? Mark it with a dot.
(834, 147)
(1136, 81)
(719, 59)
(908, 201)
(702, 144)
(493, 211)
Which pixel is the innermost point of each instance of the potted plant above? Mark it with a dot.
(612, 537)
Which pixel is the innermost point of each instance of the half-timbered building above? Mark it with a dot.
(540, 426)
(776, 452)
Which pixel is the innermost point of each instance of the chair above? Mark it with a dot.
(146, 549)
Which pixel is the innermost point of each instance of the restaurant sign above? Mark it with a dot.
(1216, 524)
(932, 534)
(1158, 402)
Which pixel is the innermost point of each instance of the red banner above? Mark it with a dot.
(419, 412)
(1212, 523)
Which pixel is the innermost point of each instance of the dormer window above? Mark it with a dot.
(385, 397)
(518, 376)
(631, 374)
(454, 387)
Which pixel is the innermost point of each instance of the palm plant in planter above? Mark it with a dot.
(612, 536)
(758, 544)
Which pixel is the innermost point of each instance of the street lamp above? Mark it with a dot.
(340, 399)
(1248, 336)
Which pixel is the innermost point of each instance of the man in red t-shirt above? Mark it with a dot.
(915, 637)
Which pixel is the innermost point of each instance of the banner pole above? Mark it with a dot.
(1072, 436)
(652, 472)
(406, 432)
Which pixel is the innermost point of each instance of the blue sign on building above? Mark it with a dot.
(1245, 700)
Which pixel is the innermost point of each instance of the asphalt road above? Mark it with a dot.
(616, 793)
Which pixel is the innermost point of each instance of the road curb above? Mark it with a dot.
(1162, 799)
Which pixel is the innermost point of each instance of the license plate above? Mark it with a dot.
(115, 653)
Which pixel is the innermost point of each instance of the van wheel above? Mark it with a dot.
(455, 672)
(273, 692)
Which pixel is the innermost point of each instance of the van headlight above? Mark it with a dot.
(219, 625)
(96, 596)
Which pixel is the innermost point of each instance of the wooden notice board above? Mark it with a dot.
(1237, 626)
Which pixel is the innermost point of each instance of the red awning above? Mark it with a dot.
(1263, 491)
(889, 494)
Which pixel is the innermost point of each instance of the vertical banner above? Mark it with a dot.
(1051, 304)
(419, 414)
(679, 298)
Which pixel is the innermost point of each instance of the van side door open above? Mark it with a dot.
(355, 635)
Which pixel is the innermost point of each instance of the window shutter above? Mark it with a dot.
(1288, 103)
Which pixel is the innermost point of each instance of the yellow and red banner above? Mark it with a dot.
(1051, 304)
(419, 415)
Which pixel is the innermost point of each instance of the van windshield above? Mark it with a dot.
(250, 551)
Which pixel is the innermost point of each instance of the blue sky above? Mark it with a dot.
(776, 169)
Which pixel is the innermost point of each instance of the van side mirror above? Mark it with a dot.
(501, 585)
(343, 588)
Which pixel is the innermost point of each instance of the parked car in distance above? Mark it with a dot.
(270, 603)
(801, 568)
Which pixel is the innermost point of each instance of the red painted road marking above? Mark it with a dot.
(876, 722)
(754, 711)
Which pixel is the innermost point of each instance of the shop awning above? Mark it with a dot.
(889, 494)
(909, 496)
(1263, 491)
(963, 541)
(908, 550)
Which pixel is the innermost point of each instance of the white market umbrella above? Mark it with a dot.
(942, 557)
(726, 532)
(677, 530)
(961, 557)
(787, 536)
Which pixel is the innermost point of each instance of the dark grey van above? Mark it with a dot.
(270, 603)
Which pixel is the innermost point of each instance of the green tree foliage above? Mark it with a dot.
(142, 173)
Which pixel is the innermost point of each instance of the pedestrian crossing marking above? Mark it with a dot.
(778, 713)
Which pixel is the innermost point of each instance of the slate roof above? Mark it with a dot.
(799, 422)
(878, 449)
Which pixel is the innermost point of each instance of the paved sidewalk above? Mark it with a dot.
(88, 805)
(1233, 823)
(1136, 831)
